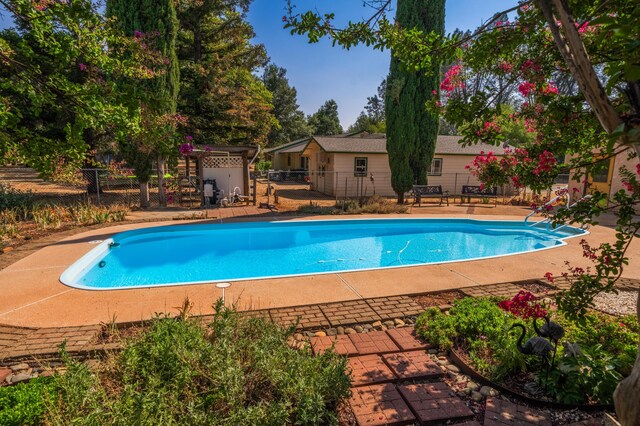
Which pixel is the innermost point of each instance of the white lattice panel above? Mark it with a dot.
(222, 162)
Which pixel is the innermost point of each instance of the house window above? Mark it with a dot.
(360, 166)
(436, 167)
(289, 160)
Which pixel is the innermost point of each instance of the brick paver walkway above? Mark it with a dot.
(412, 365)
(369, 369)
(432, 402)
(341, 344)
(406, 339)
(499, 412)
(17, 342)
(21, 342)
(380, 405)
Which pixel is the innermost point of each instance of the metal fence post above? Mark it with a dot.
(97, 185)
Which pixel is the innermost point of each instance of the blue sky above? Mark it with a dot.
(319, 71)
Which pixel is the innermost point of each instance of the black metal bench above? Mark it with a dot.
(469, 191)
(429, 191)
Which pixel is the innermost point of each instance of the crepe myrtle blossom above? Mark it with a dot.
(452, 79)
(526, 88)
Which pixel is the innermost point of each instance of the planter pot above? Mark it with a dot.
(468, 370)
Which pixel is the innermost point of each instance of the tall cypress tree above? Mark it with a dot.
(412, 130)
(155, 20)
(157, 23)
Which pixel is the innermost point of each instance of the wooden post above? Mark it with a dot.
(200, 170)
(245, 175)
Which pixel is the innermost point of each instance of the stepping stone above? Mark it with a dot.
(379, 405)
(369, 369)
(4, 373)
(499, 412)
(375, 342)
(406, 339)
(340, 344)
(413, 365)
(433, 402)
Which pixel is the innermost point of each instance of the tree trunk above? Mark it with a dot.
(627, 395)
(144, 195)
(162, 196)
(574, 53)
(400, 198)
(572, 50)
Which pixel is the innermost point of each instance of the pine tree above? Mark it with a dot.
(226, 102)
(412, 130)
(325, 121)
(293, 124)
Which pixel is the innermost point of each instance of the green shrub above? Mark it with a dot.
(239, 371)
(590, 377)
(482, 328)
(616, 336)
(24, 403)
(263, 165)
(11, 198)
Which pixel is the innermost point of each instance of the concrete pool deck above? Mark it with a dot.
(32, 295)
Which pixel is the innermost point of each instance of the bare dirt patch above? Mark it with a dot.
(438, 299)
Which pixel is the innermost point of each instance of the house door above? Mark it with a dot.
(601, 180)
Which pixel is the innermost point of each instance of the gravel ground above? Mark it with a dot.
(623, 303)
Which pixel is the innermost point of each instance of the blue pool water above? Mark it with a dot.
(187, 254)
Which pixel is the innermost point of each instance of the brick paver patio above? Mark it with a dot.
(413, 365)
(380, 405)
(499, 412)
(348, 313)
(432, 402)
(375, 342)
(341, 345)
(406, 339)
(369, 369)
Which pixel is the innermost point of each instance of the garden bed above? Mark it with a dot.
(461, 360)
(592, 356)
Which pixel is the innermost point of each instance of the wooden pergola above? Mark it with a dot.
(200, 156)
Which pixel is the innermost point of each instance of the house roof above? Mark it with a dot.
(450, 145)
(352, 144)
(294, 146)
(376, 143)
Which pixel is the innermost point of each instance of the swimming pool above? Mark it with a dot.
(203, 253)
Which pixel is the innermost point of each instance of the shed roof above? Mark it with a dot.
(214, 150)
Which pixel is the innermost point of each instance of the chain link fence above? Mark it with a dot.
(290, 189)
(282, 188)
(93, 186)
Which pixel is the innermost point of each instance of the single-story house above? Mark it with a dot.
(288, 156)
(608, 179)
(358, 165)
